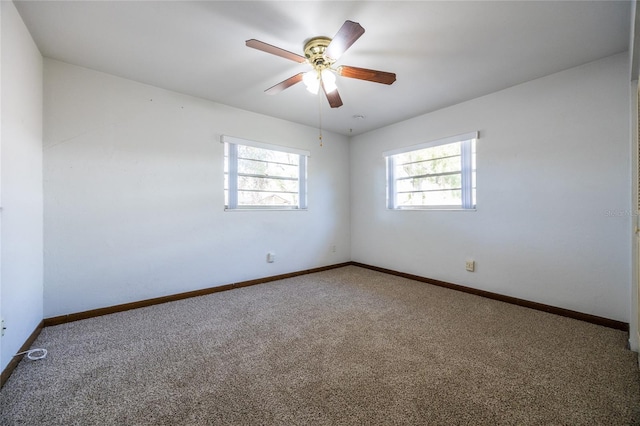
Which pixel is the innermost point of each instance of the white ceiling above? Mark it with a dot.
(443, 52)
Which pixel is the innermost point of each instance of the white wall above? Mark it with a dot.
(21, 183)
(134, 195)
(553, 221)
(634, 56)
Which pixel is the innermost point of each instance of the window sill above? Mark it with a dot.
(436, 209)
(263, 209)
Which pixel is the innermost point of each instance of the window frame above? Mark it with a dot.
(231, 203)
(468, 203)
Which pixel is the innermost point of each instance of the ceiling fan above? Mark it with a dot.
(321, 53)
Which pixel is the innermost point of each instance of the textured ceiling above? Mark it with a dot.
(442, 52)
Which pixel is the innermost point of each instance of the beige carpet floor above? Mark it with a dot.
(347, 346)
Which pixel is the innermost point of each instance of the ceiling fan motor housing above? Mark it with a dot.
(314, 52)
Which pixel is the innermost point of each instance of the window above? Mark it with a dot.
(434, 175)
(263, 176)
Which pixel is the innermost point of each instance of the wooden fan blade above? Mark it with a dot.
(346, 36)
(333, 97)
(367, 74)
(284, 84)
(260, 45)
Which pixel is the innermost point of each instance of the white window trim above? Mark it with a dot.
(431, 144)
(233, 190)
(256, 144)
(391, 181)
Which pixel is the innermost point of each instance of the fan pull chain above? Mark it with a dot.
(320, 119)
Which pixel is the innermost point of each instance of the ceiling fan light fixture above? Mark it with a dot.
(328, 80)
(311, 80)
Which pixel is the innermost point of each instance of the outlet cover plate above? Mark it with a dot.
(470, 265)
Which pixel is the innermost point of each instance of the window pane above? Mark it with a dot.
(265, 184)
(249, 198)
(430, 153)
(429, 166)
(432, 198)
(226, 188)
(430, 183)
(250, 152)
(265, 168)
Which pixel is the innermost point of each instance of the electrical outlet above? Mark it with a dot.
(2, 327)
(470, 265)
(333, 249)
